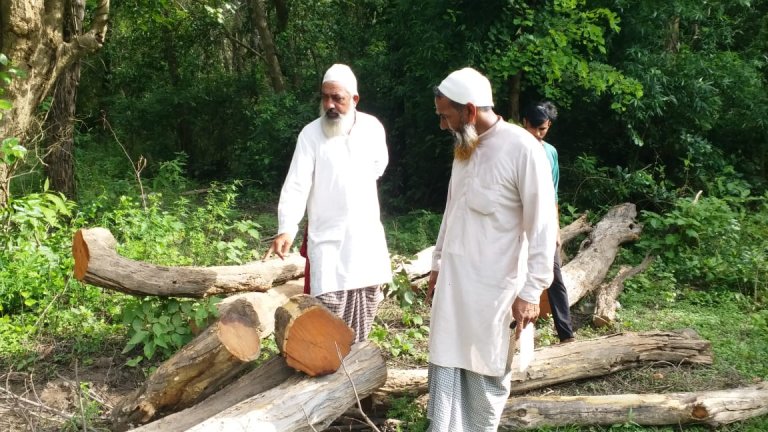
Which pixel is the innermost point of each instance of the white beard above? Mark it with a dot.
(339, 126)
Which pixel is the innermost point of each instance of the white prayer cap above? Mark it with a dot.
(343, 75)
(467, 86)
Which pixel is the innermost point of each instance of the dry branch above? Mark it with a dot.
(98, 263)
(713, 408)
(607, 294)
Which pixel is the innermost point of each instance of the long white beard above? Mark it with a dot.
(339, 126)
(465, 141)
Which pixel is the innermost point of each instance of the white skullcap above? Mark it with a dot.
(343, 75)
(467, 86)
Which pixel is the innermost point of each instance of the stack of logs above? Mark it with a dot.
(210, 383)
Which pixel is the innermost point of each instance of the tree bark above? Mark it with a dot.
(31, 35)
(590, 266)
(302, 403)
(97, 263)
(514, 96)
(556, 364)
(576, 228)
(208, 362)
(267, 42)
(311, 338)
(59, 158)
(712, 408)
(607, 294)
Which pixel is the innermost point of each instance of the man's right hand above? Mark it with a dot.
(280, 246)
(431, 285)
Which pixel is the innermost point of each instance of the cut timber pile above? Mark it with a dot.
(97, 263)
(311, 338)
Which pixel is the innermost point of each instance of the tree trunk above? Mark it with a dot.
(59, 158)
(31, 35)
(589, 267)
(712, 408)
(208, 362)
(607, 294)
(268, 44)
(311, 338)
(302, 403)
(576, 228)
(97, 263)
(514, 96)
(585, 359)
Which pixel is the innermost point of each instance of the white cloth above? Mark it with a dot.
(335, 181)
(343, 75)
(467, 86)
(502, 195)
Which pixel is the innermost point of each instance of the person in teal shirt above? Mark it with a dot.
(537, 119)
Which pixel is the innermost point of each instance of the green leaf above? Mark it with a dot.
(139, 336)
(5, 104)
(134, 361)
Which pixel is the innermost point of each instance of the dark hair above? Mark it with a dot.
(539, 112)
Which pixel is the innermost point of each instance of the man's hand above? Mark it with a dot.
(523, 313)
(431, 285)
(281, 245)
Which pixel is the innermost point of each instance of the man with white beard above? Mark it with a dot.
(336, 164)
(484, 274)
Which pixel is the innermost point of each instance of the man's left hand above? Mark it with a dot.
(523, 313)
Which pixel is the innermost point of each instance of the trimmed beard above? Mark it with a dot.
(340, 126)
(465, 142)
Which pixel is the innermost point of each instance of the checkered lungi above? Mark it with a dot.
(464, 401)
(357, 307)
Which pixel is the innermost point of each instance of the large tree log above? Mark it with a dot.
(589, 267)
(713, 408)
(311, 338)
(574, 229)
(261, 379)
(607, 294)
(97, 263)
(209, 361)
(556, 364)
(302, 403)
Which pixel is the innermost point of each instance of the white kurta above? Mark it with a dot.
(335, 181)
(502, 195)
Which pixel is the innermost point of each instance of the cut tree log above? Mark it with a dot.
(208, 362)
(712, 408)
(574, 229)
(597, 253)
(607, 294)
(311, 338)
(98, 263)
(556, 364)
(302, 403)
(268, 375)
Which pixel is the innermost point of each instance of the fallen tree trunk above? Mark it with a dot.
(270, 374)
(208, 362)
(607, 294)
(556, 364)
(98, 263)
(574, 229)
(310, 337)
(712, 408)
(589, 267)
(302, 403)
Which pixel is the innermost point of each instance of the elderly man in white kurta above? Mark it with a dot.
(333, 173)
(500, 195)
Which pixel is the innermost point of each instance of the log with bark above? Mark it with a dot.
(556, 364)
(580, 226)
(590, 266)
(98, 263)
(712, 408)
(302, 403)
(210, 361)
(606, 296)
(311, 338)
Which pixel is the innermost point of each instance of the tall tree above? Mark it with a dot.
(32, 36)
(268, 44)
(59, 159)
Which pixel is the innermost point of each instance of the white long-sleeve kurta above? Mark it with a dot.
(335, 181)
(502, 195)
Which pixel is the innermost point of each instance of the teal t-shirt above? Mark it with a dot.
(552, 156)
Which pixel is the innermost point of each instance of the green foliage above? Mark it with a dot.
(405, 340)
(412, 232)
(408, 411)
(163, 325)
